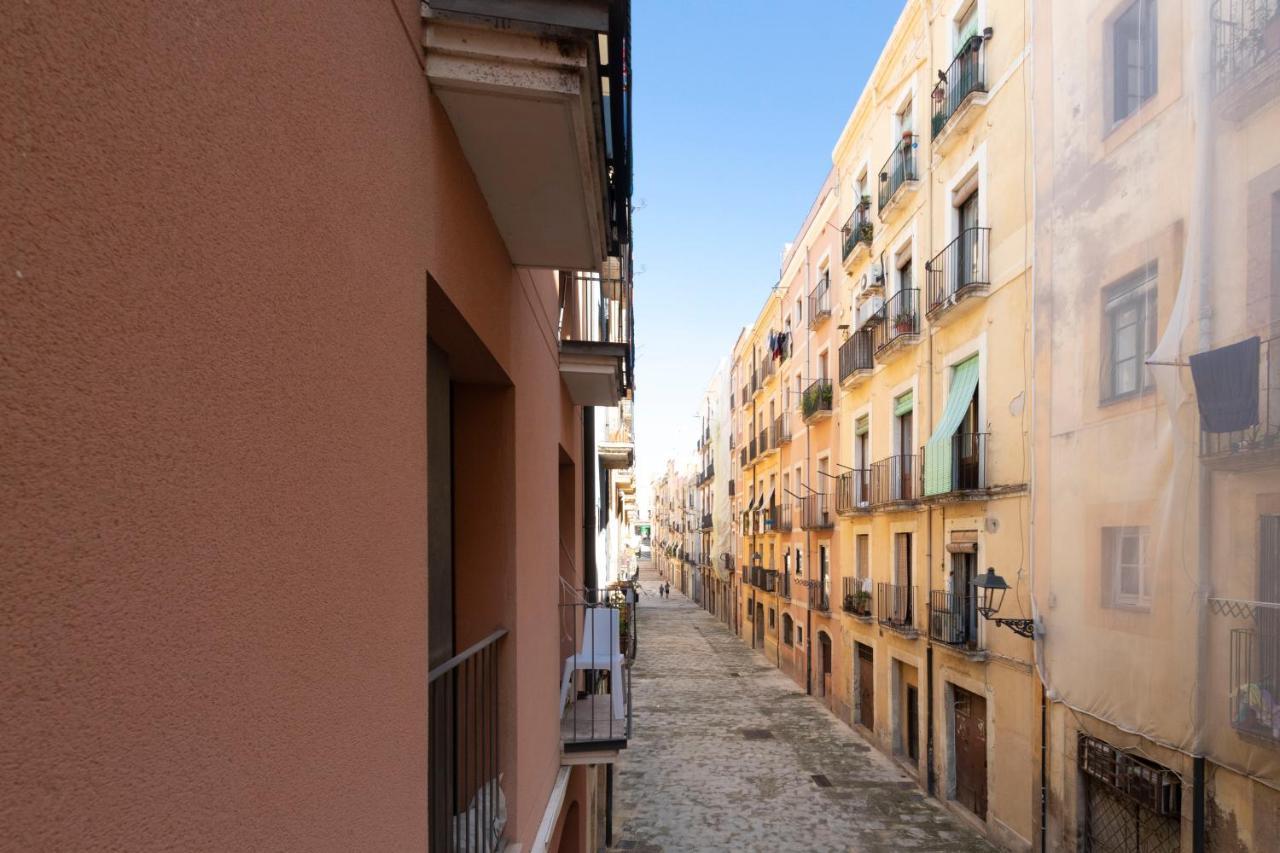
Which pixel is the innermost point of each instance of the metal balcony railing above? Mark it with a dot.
(754, 448)
(764, 440)
(463, 738)
(1265, 435)
(959, 269)
(857, 597)
(853, 491)
(815, 512)
(899, 169)
(965, 76)
(820, 300)
(706, 521)
(968, 462)
(742, 458)
(784, 585)
(1244, 35)
(767, 369)
(858, 230)
(856, 354)
(900, 319)
(746, 394)
(1254, 688)
(819, 596)
(781, 517)
(597, 626)
(895, 479)
(781, 430)
(953, 618)
(596, 310)
(816, 399)
(895, 606)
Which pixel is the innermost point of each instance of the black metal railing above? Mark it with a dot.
(965, 76)
(815, 511)
(959, 269)
(900, 319)
(597, 643)
(819, 596)
(820, 300)
(463, 738)
(895, 605)
(858, 230)
(899, 169)
(1265, 434)
(746, 395)
(763, 442)
(780, 515)
(856, 353)
(742, 458)
(706, 521)
(781, 430)
(894, 479)
(767, 369)
(816, 398)
(853, 491)
(733, 488)
(764, 579)
(857, 597)
(968, 462)
(1245, 33)
(784, 585)
(597, 310)
(754, 452)
(953, 618)
(1254, 688)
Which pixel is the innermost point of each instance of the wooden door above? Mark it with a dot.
(824, 644)
(970, 718)
(913, 723)
(866, 687)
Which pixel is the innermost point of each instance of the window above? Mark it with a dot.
(773, 617)
(862, 555)
(787, 626)
(1124, 567)
(799, 636)
(799, 312)
(905, 121)
(966, 26)
(799, 562)
(1129, 334)
(1134, 58)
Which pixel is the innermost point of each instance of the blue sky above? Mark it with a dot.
(737, 107)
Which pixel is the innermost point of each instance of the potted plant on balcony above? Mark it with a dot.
(865, 201)
(865, 232)
(904, 323)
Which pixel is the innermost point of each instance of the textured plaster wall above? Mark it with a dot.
(215, 228)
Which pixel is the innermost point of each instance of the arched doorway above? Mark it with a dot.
(824, 664)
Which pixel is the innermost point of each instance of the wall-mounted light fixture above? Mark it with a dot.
(992, 589)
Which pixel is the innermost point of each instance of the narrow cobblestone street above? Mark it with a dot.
(725, 751)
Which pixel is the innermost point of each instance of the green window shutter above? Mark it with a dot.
(903, 405)
(937, 452)
(862, 425)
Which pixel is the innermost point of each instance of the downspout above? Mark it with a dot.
(588, 497)
(808, 472)
(928, 546)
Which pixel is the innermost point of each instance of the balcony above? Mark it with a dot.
(960, 93)
(597, 353)
(1260, 443)
(820, 301)
(857, 597)
(765, 580)
(743, 458)
(965, 457)
(557, 179)
(953, 618)
(598, 644)
(767, 371)
(958, 272)
(895, 607)
(746, 395)
(753, 448)
(780, 517)
(858, 231)
(895, 480)
(856, 356)
(819, 598)
(815, 405)
(815, 512)
(706, 521)
(853, 492)
(1245, 41)
(898, 176)
(464, 696)
(1254, 688)
(732, 488)
(710, 472)
(900, 323)
(781, 430)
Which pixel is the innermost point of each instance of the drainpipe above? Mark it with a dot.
(808, 458)
(588, 497)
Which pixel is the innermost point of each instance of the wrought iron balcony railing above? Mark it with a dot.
(895, 606)
(598, 626)
(900, 319)
(1254, 688)
(858, 230)
(857, 597)
(780, 517)
(764, 441)
(820, 300)
(819, 596)
(596, 310)
(815, 512)
(784, 585)
(817, 399)
(781, 430)
(754, 448)
(899, 169)
(1245, 34)
(856, 354)
(953, 618)
(853, 491)
(959, 270)
(1227, 447)
(966, 76)
(895, 479)
(968, 463)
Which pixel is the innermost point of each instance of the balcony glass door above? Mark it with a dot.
(968, 262)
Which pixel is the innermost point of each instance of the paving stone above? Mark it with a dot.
(690, 780)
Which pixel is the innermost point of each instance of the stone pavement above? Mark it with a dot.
(725, 749)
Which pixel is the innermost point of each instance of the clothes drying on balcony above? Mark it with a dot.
(937, 452)
(1226, 381)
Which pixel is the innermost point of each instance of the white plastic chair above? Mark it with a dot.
(599, 651)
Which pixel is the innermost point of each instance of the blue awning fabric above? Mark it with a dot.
(937, 451)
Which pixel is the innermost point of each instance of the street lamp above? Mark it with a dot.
(993, 587)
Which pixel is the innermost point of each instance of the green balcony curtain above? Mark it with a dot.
(903, 405)
(937, 451)
(862, 425)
